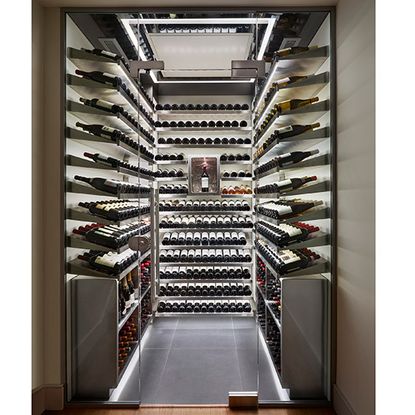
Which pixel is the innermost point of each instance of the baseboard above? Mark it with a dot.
(341, 404)
(47, 397)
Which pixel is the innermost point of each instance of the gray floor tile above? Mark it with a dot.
(204, 377)
(166, 322)
(152, 364)
(203, 339)
(202, 322)
(267, 387)
(248, 366)
(244, 322)
(192, 360)
(159, 338)
(246, 338)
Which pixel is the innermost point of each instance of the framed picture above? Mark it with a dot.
(204, 176)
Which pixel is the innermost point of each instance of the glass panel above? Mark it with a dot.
(202, 344)
(293, 251)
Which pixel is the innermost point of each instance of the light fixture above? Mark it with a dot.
(266, 86)
(265, 39)
(269, 21)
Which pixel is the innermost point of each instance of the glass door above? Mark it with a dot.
(202, 346)
(293, 144)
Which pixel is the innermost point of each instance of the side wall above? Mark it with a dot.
(47, 356)
(37, 196)
(355, 390)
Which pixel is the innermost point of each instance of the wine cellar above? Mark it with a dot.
(199, 206)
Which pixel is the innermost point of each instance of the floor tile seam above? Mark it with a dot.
(236, 354)
(167, 358)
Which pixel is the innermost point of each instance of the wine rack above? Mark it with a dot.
(284, 296)
(220, 303)
(100, 327)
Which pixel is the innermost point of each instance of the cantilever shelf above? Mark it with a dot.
(322, 160)
(313, 136)
(97, 116)
(89, 62)
(81, 162)
(315, 239)
(304, 63)
(77, 134)
(312, 214)
(74, 187)
(85, 216)
(304, 115)
(303, 89)
(318, 267)
(312, 188)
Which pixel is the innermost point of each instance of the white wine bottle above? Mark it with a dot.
(293, 104)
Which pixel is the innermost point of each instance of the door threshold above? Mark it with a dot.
(185, 405)
(102, 404)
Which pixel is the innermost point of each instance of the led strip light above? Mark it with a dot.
(270, 22)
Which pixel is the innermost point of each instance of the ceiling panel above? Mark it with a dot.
(199, 55)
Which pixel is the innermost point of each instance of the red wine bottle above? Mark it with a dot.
(113, 56)
(285, 209)
(110, 161)
(102, 105)
(285, 185)
(295, 129)
(110, 185)
(101, 130)
(294, 157)
(101, 77)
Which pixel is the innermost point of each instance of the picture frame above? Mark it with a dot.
(209, 164)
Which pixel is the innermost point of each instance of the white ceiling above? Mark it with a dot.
(199, 55)
(185, 3)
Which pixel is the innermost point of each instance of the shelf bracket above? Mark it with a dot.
(248, 69)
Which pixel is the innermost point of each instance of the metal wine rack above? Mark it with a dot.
(93, 294)
(218, 149)
(304, 290)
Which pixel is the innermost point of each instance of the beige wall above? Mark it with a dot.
(356, 223)
(37, 197)
(47, 212)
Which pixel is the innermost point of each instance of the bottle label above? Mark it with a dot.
(283, 210)
(283, 82)
(284, 183)
(205, 182)
(286, 129)
(110, 54)
(109, 75)
(104, 104)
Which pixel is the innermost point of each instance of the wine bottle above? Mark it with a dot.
(102, 105)
(101, 130)
(294, 157)
(113, 56)
(284, 209)
(105, 185)
(292, 51)
(110, 161)
(293, 104)
(101, 77)
(285, 185)
(205, 180)
(283, 83)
